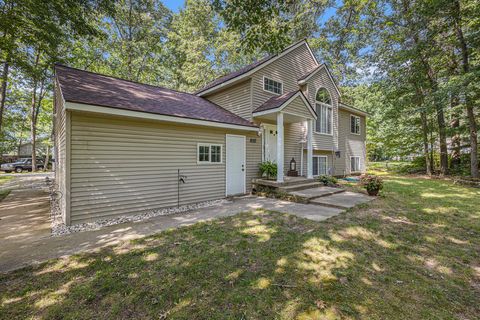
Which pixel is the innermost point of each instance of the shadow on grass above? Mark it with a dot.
(413, 253)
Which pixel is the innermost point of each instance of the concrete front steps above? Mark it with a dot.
(300, 186)
(316, 193)
(332, 197)
(290, 184)
(345, 200)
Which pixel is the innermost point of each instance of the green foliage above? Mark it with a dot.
(327, 180)
(270, 25)
(268, 169)
(413, 65)
(371, 183)
(136, 40)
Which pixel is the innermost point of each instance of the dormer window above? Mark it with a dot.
(323, 107)
(272, 86)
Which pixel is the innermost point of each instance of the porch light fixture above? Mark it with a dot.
(293, 169)
(293, 165)
(337, 153)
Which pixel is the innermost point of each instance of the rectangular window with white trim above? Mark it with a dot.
(319, 165)
(324, 118)
(272, 86)
(354, 124)
(354, 164)
(209, 153)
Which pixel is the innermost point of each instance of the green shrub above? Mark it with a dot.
(372, 183)
(268, 169)
(270, 192)
(327, 180)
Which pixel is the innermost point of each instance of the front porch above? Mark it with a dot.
(292, 111)
(288, 183)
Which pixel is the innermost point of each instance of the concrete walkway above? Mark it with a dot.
(25, 226)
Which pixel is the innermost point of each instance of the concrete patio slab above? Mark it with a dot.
(344, 200)
(317, 192)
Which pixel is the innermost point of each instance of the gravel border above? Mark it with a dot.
(60, 229)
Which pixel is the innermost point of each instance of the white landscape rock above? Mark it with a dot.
(59, 228)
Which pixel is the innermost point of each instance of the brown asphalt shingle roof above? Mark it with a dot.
(234, 74)
(275, 102)
(278, 101)
(95, 89)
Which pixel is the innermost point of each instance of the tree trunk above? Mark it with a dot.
(442, 133)
(423, 118)
(3, 93)
(428, 164)
(473, 140)
(47, 158)
(455, 143)
(34, 109)
(468, 101)
(432, 151)
(33, 128)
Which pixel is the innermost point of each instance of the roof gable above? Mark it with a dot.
(309, 75)
(250, 69)
(279, 103)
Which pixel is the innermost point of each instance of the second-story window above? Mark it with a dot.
(323, 107)
(272, 86)
(354, 124)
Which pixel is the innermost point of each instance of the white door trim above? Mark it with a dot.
(326, 164)
(244, 161)
(267, 127)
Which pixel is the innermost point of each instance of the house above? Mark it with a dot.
(24, 150)
(124, 148)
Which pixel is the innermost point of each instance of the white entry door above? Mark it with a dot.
(270, 143)
(235, 166)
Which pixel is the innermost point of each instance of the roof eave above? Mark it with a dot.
(323, 66)
(285, 104)
(84, 107)
(353, 109)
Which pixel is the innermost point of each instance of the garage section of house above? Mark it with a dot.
(125, 148)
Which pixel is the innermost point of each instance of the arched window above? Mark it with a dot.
(323, 107)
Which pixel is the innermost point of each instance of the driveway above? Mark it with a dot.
(25, 223)
(24, 213)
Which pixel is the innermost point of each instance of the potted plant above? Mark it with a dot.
(372, 183)
(268, 169)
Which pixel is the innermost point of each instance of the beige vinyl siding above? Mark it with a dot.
(236, 99)
(298, 107)
(330, 164)
(122, 166)
(61, 166)
(317, 81)
(254, 158)
(292, 147)
(287, 69)
(351, 144)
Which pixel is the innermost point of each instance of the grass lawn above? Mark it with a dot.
(414, 253)
(4, 192)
